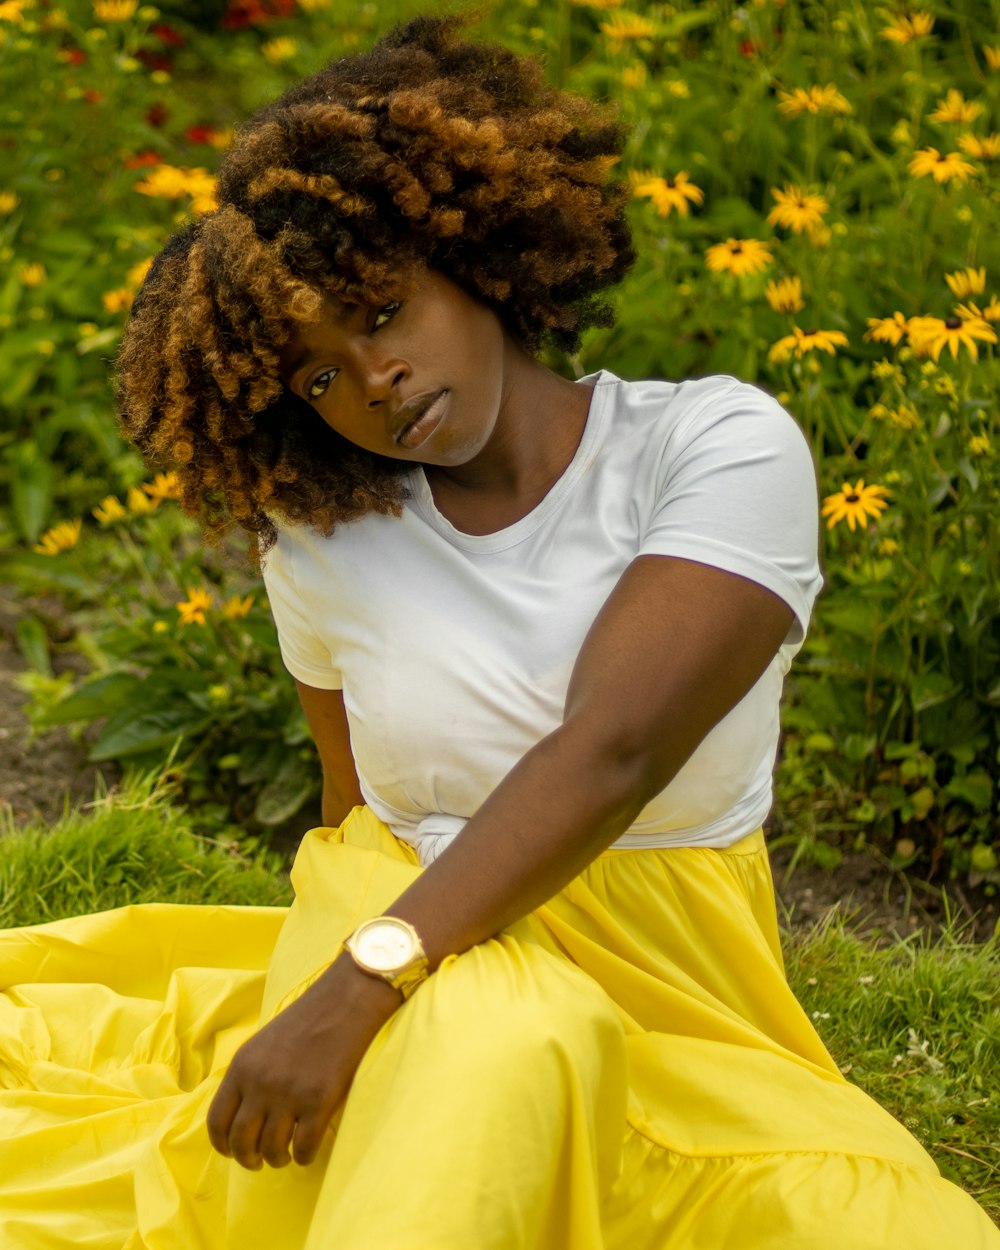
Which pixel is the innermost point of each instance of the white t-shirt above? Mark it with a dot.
(454, 651)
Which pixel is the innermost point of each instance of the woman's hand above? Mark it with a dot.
(285, 1083)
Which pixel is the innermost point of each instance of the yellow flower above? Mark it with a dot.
(163, 486)
(886, 371)
(60, 537)
(802, 341)
(119, 300)
(785, 295)
(170, 182)
(140, 504)
(906, 29)
(888, 547)
(281, 49)
(313, 6)
(796, 209)
(598, 4)
(739, 257)
(972, 312)
(979, 445)
(192, 609)
(137, 274)
(669, 193)
(930, 335)
(634, 77)
(886, 329)
(221, 139)
(236, 608)
(900, 134)
(8, 202)
(966, 282)
(814, 100)
(956, 108)
(985, 149)
(992, 57)
(944, 166)
(678, 87)
(12, 11)
(114, 10)
(109, 511)
(854, 504)
(619, 30)
(903, 418)
(32, 274)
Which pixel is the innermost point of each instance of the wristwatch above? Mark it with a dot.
(390, 948)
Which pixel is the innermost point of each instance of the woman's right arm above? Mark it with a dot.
(327, 720)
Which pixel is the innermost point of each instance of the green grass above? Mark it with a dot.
(916, 1024)
(129, 846)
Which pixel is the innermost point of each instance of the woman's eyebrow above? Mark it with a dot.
(340, 312)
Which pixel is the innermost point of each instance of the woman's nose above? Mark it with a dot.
(382, 374)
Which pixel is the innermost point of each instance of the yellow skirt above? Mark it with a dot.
(624, 1069)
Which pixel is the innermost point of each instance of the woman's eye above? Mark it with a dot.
(319, 384)
(385, 313)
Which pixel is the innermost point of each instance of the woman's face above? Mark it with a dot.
(421, 380)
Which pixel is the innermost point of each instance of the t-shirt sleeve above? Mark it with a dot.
(303, 651)
(736, 489)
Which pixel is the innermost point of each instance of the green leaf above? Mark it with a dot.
(32, 480)
(976, 789)
(133, 733)
(101, 697)
(33, 571)
(295, 782)
(33, 643)
(930, 689)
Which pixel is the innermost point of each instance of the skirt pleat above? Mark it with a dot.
(624, 1069)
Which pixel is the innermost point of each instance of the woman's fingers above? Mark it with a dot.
(275, 1139)
(224, 1106)
(309, 1135)
(244, 1137)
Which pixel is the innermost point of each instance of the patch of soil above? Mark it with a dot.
(39, 778)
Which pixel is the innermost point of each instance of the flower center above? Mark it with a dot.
(852, 498)
(953, 323)
(736, 248)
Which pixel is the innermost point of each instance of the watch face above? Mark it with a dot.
(385, 946)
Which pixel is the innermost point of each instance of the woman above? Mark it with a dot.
(530, 992)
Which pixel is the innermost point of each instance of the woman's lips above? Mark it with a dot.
(418, 431)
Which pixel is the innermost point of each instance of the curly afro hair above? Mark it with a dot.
(428, 150)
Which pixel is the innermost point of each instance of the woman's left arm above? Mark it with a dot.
(675, 647)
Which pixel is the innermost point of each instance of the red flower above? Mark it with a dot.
(200, 134)
(154, 60)
(92, 96)
(157, 114)
(750, 47)
(166, 34)
(141, 159)
(75, 56)
(243, 13)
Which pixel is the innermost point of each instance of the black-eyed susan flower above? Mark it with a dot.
(956, 108)
(785, 295)
(163, 486)
(801, 341)
(13, 11)
(973, 312)
(813, 100)
(903, 418)
(192, 609)
(885, 371)
(171, 182)
(979, 444)
(109, 511)
(61, 537)
(32, 273)
(965, 282)
(283, 48)
(9, 200)
(137, 274)
(140, 504)
(796, 209)
(739, 257)
(942, 166)
(854, 504)
(908, 27)
(667, 194)
(626, 28)
(114, 10)
(992, 57)
(235, 608)
(929, 336)
(986, 148)
(118, 300)
(887, 329)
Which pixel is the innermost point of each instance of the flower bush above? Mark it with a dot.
(815, 200)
